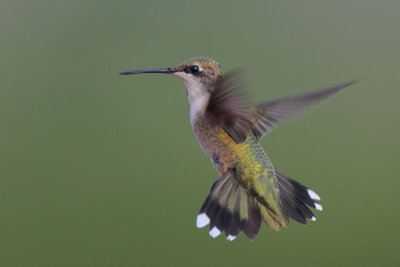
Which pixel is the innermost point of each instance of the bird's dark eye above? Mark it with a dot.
(194, 69)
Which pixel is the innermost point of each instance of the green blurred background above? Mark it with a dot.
(99, 169)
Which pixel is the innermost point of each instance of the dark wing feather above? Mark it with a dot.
(227, 106)
(268, 115)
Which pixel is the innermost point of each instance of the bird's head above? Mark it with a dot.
(199, 74)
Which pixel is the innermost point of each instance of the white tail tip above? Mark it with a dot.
(214, 232)
(230, 237)
(318, 206)
(313, 195)
(202, 220)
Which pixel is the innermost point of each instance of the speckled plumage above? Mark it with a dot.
(253, 169)
(249, 190)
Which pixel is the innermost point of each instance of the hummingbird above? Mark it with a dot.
(229, 129)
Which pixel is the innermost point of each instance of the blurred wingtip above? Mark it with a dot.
(354, 81)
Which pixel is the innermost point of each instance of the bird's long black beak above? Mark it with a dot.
(154, 70)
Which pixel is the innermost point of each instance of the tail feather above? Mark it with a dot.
(296, 197)
(231, 209)
(251, 222)
(266, 192)
(268, 218)
(221, 205)
(231, 220)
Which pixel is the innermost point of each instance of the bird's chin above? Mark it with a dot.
(181, 75)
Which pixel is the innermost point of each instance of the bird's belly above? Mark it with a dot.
(218, 145)
(248, 158)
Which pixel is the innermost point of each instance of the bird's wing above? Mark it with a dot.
(227, 106)
(266, 116)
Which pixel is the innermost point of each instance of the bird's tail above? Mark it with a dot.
(296, 198)
(231, 208)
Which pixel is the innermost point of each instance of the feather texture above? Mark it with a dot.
(268, 115)
(296, 198)
(227, 106)
(230, 208)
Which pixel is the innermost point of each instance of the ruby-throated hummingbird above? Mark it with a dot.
(229, 130)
